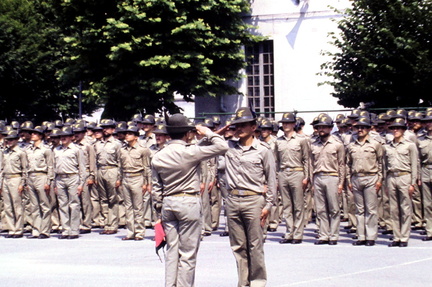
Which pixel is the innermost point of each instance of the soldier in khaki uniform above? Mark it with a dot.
(90, 159)
(70, 175)
(251, 180)
(328, 169)
(13, 179)
(292, 155)
(176, 193)
(364, 174)
(135, 170)
(401, 161)
(108, 154)
(40, 176)
(425, 150)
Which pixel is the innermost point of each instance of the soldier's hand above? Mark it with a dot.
(117, 184)
(264, 215)
(90, 181)
(47, 188)
(305, 183)
(340, 188)
(55, 190)
(211, 185)
(419, 182)
(202, 187)
(350, 186)
(80, 189)
(144, 188)
(378, 186)
(411, 190)
(201, 130)
(20, 189)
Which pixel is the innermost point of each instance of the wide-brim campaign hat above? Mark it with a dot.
(427, 117)
(244, 115)
(398, 122)
(12, 135)
(178, 123)
(67, 131)
(38, 129)
(132, 129)
(363, 121)
(288, 118)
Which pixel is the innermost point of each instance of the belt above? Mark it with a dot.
(327, 173)
(182, 194)
(132, 174)
(292, 169)
(12, 175)
(363, 174)
(244, 192)
(105, 167)
(65, 175)
(399, 173)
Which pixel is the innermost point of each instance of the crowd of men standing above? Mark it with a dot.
(374, 171)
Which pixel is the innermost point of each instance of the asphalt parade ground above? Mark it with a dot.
(106, 260)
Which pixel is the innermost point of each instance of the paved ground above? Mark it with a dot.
(105, 260)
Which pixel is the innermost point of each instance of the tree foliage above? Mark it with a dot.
(384, 54)
(137, 54)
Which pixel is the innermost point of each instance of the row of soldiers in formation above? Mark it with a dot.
(74, 176)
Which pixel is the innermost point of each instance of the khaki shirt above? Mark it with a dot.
(90, 158)
(14, 161)
(70, 160)
(147, 141)
(425, 149)
(41, 159)
(175, 167)
(328, 157)
(402, 157)
(135, 159)
(108, 153)
(251, 168)
(364, 157)
(293, 152)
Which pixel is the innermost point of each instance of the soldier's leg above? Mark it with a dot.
(129, 211)
(393, 194)
(405, 206)
(97, 218)
(54, 207)
(14, 210)
(216, 206)
(427, 195)
(121, 206)
(137, 183)
(417, 206)
(74, 204)
(371, 204)
(286, 195)
(147, 210)
(86, 208)
(320, 199)
(331, 183)
(41, 204)
(206, 211)
(113, 205)
(63, 201)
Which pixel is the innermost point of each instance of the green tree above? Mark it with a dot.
(30, 60)
(384, 54)
(138, 54)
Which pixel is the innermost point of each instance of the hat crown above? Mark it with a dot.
(288, 118)
(244, 115)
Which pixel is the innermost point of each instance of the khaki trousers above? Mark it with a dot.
(86, 208)
(291, 189)
(246, 238)
(224, 194)
(69, 205)
(106, 180)
(366, 202)
(122, 208)
(350, 207)
(97, 217)
(216, 206)
(40, 208)
(13, 205)
(54, 208)
(426, 175)
(134, 209)
(327, 206)
(181, 219)
(148, 211)
(206, 212)
(400, 206)
(417, 204)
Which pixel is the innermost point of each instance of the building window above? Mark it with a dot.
(260, 78)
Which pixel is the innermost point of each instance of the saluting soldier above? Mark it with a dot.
(40, 176)
(251, 178)
(401, 161)
(135, 171)
(425, 150)
(177, 199)
(328, 169)
(108, 176)
(364, 174)
(13, 179)
(292, 155)
(70, 175)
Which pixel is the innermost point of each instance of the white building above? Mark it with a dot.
(283, 73)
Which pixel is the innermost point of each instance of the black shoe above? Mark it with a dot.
(394, 244)
(43, 236)
(27, 231)
(285, 241)
(351, 231)
(348, 227)
(417, 228)
(63, 237)
(403, 244)
(18, 236)
(297, 241)
(122, 226)
(370, 242)
(321, 242)
(355, 237)
(332, 242)
(73, 236)
(423, 232)
(9, 236)
(429, 238)
(224, 234)
(206, 234)
(33, 237)
(387, 232)
(359, 242)
(271, 229)
(84, 231)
